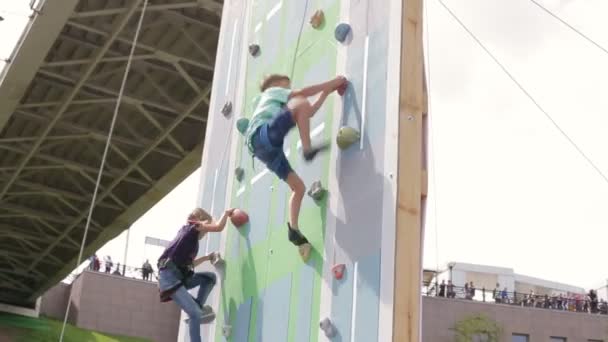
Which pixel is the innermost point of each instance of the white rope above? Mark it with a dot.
(432, 134)
(104, 157)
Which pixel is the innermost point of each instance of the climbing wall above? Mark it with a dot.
(266, 293)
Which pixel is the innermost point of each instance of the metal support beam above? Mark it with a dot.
(37, 213)
(143, 46)
(56, 231)
(187, 77)
(158, 126)
(121, 23)
(96, 88)
(100, 135)
(69, 164)
(65, 194)
(71, 62)
(210, 57)
(149, 8)
(202, 97)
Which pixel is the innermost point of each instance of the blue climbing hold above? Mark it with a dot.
(341, 32)
(242, 124)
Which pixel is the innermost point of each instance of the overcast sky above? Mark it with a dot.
(510, 190)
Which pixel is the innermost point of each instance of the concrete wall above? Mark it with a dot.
(115, 305)
(54, 300)
(440, 315)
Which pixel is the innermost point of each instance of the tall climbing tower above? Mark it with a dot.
(362, 281)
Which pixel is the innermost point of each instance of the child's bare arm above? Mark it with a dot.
(319, 102)
(217, 226)
(202, 259)
(317, 88)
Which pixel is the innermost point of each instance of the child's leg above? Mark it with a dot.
(295, 201)
(183, 299)
(205, 281)
(302, 112)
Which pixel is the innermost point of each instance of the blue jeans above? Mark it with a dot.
(267, 143)
(205, 281)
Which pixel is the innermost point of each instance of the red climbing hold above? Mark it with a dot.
(338, 271)
(239, 218)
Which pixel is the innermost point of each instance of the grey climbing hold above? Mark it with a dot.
(226, 330)
(328, 328)
(227, 109)
(217, 260)
(254, 50)
(341, 32)
(347, 136)
(242, 124)
(239, 173)
(316, 191)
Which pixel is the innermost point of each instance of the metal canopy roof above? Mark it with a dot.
(57, 98)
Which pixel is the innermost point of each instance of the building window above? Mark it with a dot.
(480, 338)
(558, 339)
(520, 338)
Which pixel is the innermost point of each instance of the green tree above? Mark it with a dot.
(477, 328)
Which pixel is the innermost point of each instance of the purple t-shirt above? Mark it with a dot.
(184, 247)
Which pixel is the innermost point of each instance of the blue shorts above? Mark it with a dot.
(267, 143)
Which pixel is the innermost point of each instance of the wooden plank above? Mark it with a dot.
(412, 104)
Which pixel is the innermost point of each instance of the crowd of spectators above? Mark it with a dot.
(589, 302)
(145, 272)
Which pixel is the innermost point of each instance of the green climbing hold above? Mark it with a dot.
(347, 136)
(242, 124)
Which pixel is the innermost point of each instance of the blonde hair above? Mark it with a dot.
(199, 214)
(269, 80)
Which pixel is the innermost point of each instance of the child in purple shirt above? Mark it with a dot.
(176, 269)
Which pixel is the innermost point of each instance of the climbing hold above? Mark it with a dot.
(342, 31)
(317, 19)
(338, 271)
(242, 124)
(217, 260)
(347, 136)
(316, 191)
(342, 89)
(226, 330)
(328, 328)
(239, 172)
(304, 251)
(227, 109)
(254, 49)
(239, 218)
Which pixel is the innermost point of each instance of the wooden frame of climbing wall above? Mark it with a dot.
(411, 177)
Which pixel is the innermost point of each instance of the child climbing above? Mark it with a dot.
(176, 269)
(277, 110)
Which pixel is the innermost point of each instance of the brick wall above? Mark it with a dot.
(440, 315)
(117, 305)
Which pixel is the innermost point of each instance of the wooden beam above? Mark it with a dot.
(408, 240)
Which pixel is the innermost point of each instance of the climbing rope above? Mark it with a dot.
(581, 34)
(104, 156)
(530, 97)
(432, 134)
(295, 53)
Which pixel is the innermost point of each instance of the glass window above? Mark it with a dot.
(558, 339)
(480, 338)
(520, 338)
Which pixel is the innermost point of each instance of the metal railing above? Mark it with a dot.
(588, 303)
(118, 269)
